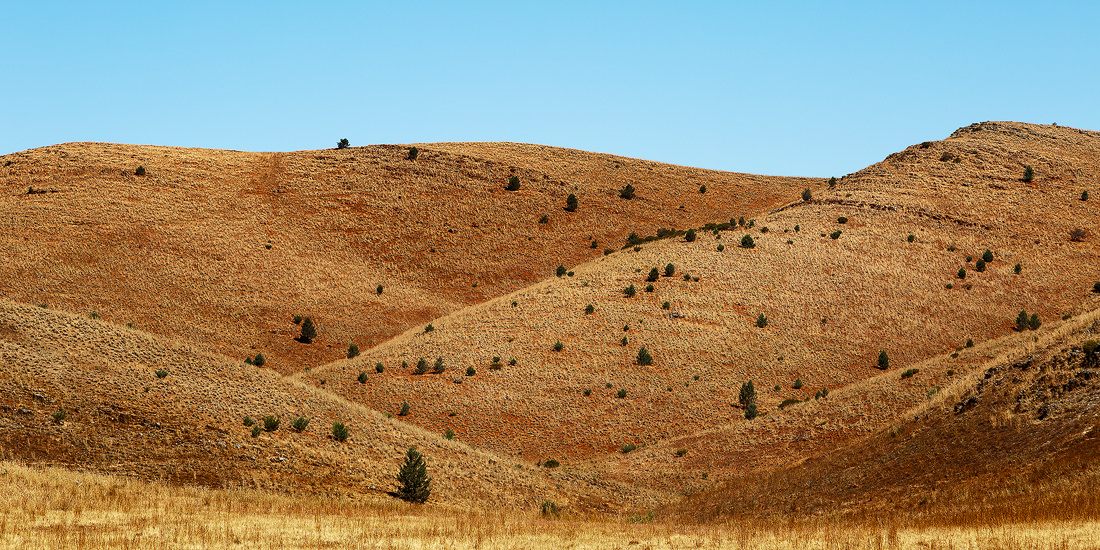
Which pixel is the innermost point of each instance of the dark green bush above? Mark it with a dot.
(587, 392)
(721, 247)
(1084, 195)
(702, 189)
(761, 320)
(512, 361)
(687, 277)
(629, 447)
(969, 342)
(746, 242)
(558, 346)
(666, 305)
(627, 192)
(883, 360)
(415, 485)
(621, 394)
(544, 219)
(513, 184)
(747, 395)
(834, 235)
(842, 219)
(429, 328)
(1034, 323)
(909, 372)
(343, 143)
(449, 435)
(589, 309)
(1029, 173)
(309, 332)
(300, 424)
(680, 452)
(649, 288)
(161, 373)
(256, 430)
(979, 266)
(571, 203)
(1017, 269)
(551, 463)
(751, 412)
(788, 402)
(353, 351)
(59, 416)
(378, 290)
(140, 171)
(806, 194)
(962, 273)
(911, 238)
(339, 431)
(438, 367)
(832, 183)
(1021, 321)
(690, 236)
(670, 270)
(594, 244)
(271, 423)
(404, 409)
(421, 366)
(550, 510)
(297, 319)
(644, 357)
(362, 378)
(629, 291)
(624, 341)
(413, 153)
(248, 421)
(1096, 287)
(470, 371)
(987, 256)
(797, 383)
(560, 271)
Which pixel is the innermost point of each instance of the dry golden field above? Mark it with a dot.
(110, 277)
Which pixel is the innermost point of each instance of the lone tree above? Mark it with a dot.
(309, 332)
(644, 357)
(987, 256)
(883, 360)
(748, 394)
(571, 203)
(343, 143)
(627, 192)
(1029, 173)
(416, 486)
(513, 184)
(413, 153)
(746, 242)
(761, 320)
(690, 235)
(670, 270)
(806, 194)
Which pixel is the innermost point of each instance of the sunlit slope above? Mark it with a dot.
(832, 304)
(224, 248)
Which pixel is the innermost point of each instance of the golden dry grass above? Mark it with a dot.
(59, 509)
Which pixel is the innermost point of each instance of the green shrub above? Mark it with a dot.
(513, 184)
(751, 412)
(702, 189)
(309, 332)
(449, 435)
(438, 367)
(1089, 347)
(721, 247)
(544, 219)
(842, 220)
(1021, 321)
(421, 366)
(256, 430)
(788, 402)
(950, 372)
(666, 305)
(680, 452)
(608, 385)
(797, 228)
(649, 288)
(1029, 173)
(607, 251)
(747, 395)
(300, 424)
(741, 221)
(297, 319)
(470, 371)
(353, 351)
(911, 238)
(962, 273)
(59, 416)
(670, 270)
(343, 143)
(248, 421)
(404, 409)
(644, 357)
(380, 368)
(690, 236)
(429, 328)
(161, 373)
(362, 378)
(987, 255)
(832, 183)
(806, 194)
(834, 235)
(512, 361)
(339, 431)
(909, 372)
(1017, 269)
(797, 383)
(1096, 287)
(761, 320)
(629, 447)
(594, 244)
(587, 392)
(1034, 323)
(271, 423)
(746, 242)
(687, 277)
(551, 463)
(140, 171)
(413, 153)
(979, 266)
(550, 510)
(560, 271)
(621, 394)
(571, 203)
(624, 341)
(883, 360)
(969, 342)
(415, 485)
(589, 309)
(627, 192)
(378, 290)
(629, 291)
(558, 346)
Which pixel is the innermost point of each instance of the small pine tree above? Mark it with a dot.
(140, 171)
(378, 290)
(690, 235)
(1084, 195)
(339, 431)
(404, 409)
(513, 184)
(797, 383)
(560, 271)
(627, 192)
(751, 412)
(1034, 323)
(987, 255)
(343, 143)
(300, 424)
(806, 194)
(832, 182)
(558, 346)
(413, 153)
(1029, 173)
(702, 189)
(962, 273)
(379, 368)
(1021, 321)
(421, 366)
(670, 270)
(629, 291)
(746, 242)
(883, 360)
(979, 266)
(761, 320)
(589, 309)
(416, 486)
(571, 203)
(747, 395)
(438, 367)
(362, 378)
(353, 351)
(653, 275)
(309, 332)
(644, 357)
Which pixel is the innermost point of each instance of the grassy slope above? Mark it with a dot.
(832, 305)
(187, 427)
(182, 251)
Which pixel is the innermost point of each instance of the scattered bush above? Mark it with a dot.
(271, 423)
(380, 368)
(667, 305)
(470, 371)
(747, 395)
(746, 242)
(353, 351)
(558, 346)
(544, 219)
(680, 452)
(587, 392)
(248, 421)
(300, 424)
(512, 361)
(624, 341)
(909, 372)
(644, 357)
(979, 266)
(589, 309)
(1077, 235)
(256, 430)
(404, 409)
(416, 486)
(1034, 323)
(797, 228)
(140, 171)
(594, 244)
(806, 194)
(513, 184)
(834, 235)
(832, 183)
(883, 360)
(702, 189)
(788, 402)
(550, 510)
(687, 277)
(551, 463)
(911, 238)
(438, 367)
(627, 192)
(429, 328)
(962, 273)
(1021, 321)
(761, 320)
(339, 431)
(629, 447)
(449, 435)
(751, 412)
(797, 383)
(343, 143)
(842, 219)
(309, 332)
(1017, 269)
(362, 378)
(649, 288)
(59, 416)
(560, 271)
(969, 342)
(721, 247)
(629, 291)
(161, 373)
(690, 236)
(421, 366)
(297, 319)
(1029, 173)
(987, 255)
(571, 203)
(621, 394)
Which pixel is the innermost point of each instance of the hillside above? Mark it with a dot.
(224, 248)
(832, 305)
(187, 427)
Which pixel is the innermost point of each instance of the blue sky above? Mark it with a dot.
(783, 87)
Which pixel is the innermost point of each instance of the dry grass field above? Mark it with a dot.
(130, 301)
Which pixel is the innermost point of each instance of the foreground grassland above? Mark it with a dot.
(56, 508)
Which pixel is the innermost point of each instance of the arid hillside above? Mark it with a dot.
(871, 264)
(90, 395)
(224, 248)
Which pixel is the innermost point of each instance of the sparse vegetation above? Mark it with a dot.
(835, 235)
(59, 416)
(987, 256)
(628, 447)
(362, 378)
(842, 220)
(404, 410)
(1077, 234)
(621, 394)
(979, 266)
(271, 423)
(560, 271)
(413, 153)
(421, 366)
(797, 383)
(471, 371)
(438, 366)
(962, 273)
(883, 360)
(550, 510)
(761, 321)
(747, 396)
(1017, 268)
(309, 332)
(589, 309)
(429, 328)
(1029, 174)
(911, 237)
(629, 291)
(415, 485)
(649, 288)
(832, 182)
(379, 368)
(248, 421)
(747, 242)
(571, 203)
(353, 351)
(300, 424)
(644, 357)
(513, 184)
(140, 171)
(806, 194)
(1084, 195)
(343, 143)
(690, 236)
(627, 192)
(449, 434)
(161, 373)
(339, 431)
(909, 372)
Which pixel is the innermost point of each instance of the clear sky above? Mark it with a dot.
(810, 88)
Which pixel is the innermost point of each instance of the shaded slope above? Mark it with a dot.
(223, 248)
